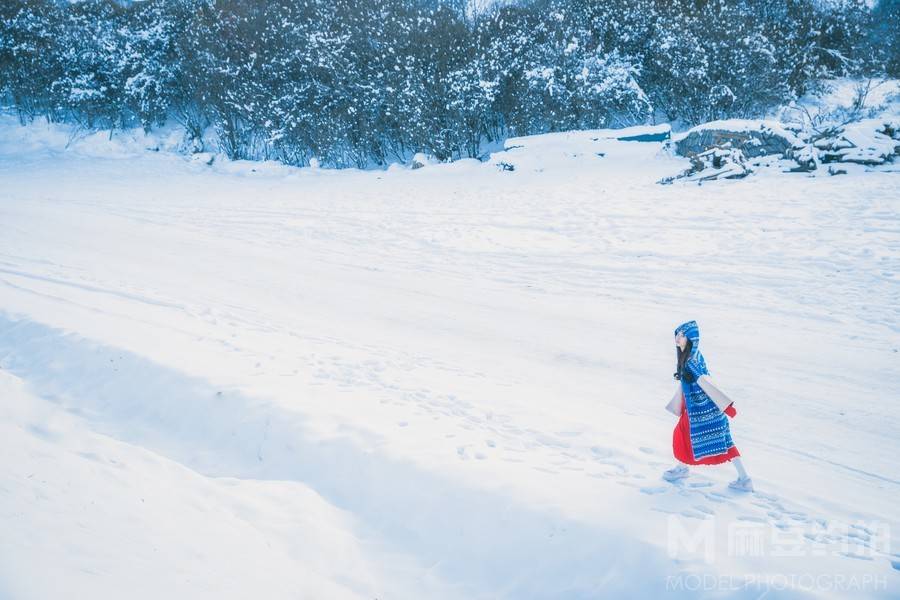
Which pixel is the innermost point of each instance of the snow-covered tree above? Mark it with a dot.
(884, 36)
(360, 82)
(29, 63)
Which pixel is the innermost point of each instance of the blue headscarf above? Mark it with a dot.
(691, 331)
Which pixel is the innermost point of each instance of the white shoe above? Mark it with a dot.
(742, 484)
(675, 473)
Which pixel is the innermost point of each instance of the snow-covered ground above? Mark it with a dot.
(249, 380)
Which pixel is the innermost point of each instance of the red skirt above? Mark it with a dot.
(681, 442)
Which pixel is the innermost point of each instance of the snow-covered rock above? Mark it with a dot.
(727, 149)
(752, 137)
(420, 160)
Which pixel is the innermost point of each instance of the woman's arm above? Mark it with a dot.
(674, 406)
(715, 394)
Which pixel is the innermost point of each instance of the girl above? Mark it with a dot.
(702, 435)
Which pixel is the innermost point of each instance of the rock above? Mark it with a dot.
(752, 138)
(419, 160)
(726, 149)
(723, 149)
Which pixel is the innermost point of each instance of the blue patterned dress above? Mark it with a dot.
(710, 434)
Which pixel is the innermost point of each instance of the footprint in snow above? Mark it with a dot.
(857, 556)
(693, 514)
(601, 452)
(751, 518)
(715, 497)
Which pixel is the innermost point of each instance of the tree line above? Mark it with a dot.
(365, 82)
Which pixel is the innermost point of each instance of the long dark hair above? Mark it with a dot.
(681, 358)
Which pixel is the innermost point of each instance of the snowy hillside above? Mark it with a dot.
(248, 380)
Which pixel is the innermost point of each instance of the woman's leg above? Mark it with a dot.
(743, 483)
(739, 465)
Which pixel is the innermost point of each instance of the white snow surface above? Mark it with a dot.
(251, 380)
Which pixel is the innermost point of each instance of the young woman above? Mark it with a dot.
(702, 435)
